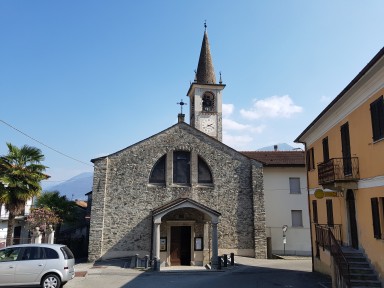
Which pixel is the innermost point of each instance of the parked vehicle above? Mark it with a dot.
(47, 265)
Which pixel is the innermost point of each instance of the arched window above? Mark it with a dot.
(158, 172)
(208, 102)
(204, 173)
(181, 167)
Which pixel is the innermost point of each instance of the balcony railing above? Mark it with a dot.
(338, 170)
(342, 271)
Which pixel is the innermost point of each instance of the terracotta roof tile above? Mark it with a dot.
(81, 203)
(277, 158)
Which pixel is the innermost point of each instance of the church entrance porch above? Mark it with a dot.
(185, 233)
(180, 252)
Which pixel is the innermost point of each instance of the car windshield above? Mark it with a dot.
(67, 252)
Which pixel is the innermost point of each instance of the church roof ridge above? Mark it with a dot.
(183, 125)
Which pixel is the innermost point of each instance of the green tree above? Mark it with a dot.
(20, 174)
(64, 208)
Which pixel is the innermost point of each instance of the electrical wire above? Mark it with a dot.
(53, 149)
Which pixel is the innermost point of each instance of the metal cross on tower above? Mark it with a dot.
(181, 103)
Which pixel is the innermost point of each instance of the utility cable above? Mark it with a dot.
(53, 149)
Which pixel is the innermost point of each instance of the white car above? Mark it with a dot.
(46, 265)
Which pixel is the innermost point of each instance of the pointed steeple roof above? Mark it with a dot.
(205, 73)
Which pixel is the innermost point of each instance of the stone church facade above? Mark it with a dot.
(181, 196)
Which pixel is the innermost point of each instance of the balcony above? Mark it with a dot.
(339, 172)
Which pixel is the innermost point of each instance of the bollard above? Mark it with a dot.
(219, 263)
(156, 264)
(269, 248)
(136, 260)
(225, 260)
(232, 259)
(146, 261)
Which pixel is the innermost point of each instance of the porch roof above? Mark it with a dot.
(182, 203)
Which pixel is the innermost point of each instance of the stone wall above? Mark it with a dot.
(121, 222)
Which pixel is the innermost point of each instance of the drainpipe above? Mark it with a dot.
(309, 207)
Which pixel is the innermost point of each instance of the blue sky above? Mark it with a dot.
(88, 78)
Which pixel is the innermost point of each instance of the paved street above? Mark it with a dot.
(248, 272)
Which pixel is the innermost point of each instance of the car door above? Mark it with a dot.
(30, 266)
(8, 264)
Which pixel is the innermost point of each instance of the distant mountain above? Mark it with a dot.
(74, 188)
(280, 147)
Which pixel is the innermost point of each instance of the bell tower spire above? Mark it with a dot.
(205, 72)
(205, 95)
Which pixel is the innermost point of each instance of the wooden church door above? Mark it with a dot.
(180, 245)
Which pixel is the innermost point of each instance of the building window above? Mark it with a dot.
(329, 205)
(377, 205)
(208, 102)
(294, 185)
(158, 172)
(310, 159)
(204, 173)
(181, 170)
(314, 211)
(297, 218)
(377, 118)
(346, 149)
(181, 167)
(325, 150)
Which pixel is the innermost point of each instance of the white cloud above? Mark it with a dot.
(237, 142)
(229, 124)
(227, 109)
(272, 107)
(325, 99)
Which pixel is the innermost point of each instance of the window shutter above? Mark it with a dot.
(314, 211)
(329, 212)
(346, 149)
(294, 185)
(377, 118)
(313, 158)
(376, 218)
(325, 150)
(297, 218)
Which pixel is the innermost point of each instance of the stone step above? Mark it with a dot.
(361, 273)
(360, 276)
(353, 258)
(360, 270)
(365, 283)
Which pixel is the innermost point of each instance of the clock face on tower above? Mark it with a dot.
(208, 125)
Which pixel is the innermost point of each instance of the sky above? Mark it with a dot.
(83, 79)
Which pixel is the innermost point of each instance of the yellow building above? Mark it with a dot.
(345, 167)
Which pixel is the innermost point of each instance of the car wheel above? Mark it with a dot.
(51, 281)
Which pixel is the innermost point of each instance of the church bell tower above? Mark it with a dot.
(206, 95)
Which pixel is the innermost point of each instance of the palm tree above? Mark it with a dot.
(20, 174)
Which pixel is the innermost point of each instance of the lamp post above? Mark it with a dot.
(285, 228)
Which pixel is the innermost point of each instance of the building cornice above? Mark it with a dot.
(361, 88)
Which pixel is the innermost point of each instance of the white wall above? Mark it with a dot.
(19, 222)
(278, 205)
